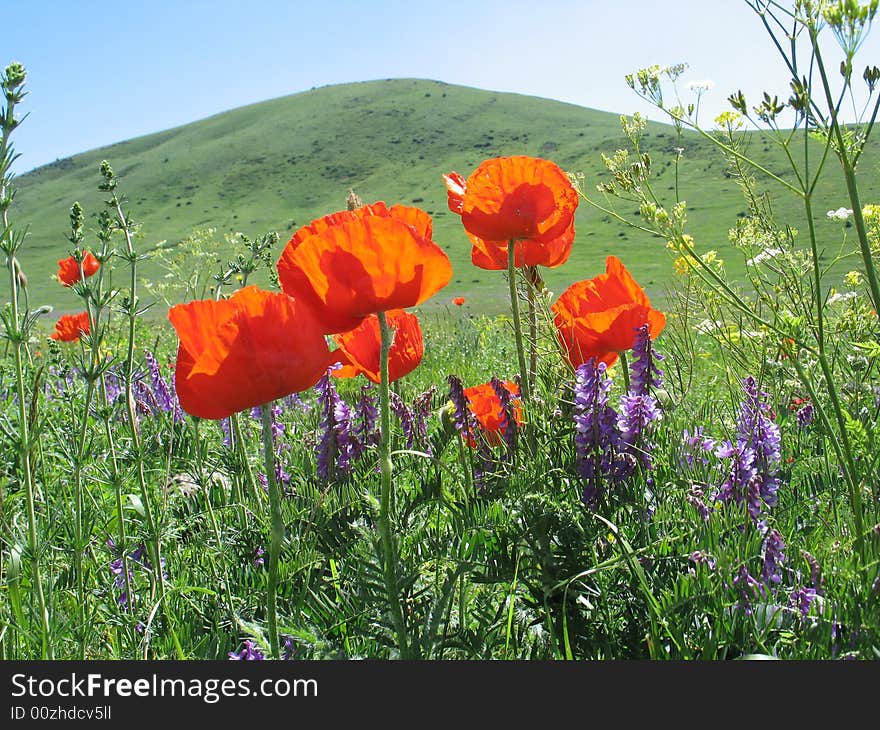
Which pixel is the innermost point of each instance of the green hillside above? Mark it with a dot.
(278, 164)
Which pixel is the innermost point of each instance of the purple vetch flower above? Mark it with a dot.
(282, 478)
(287, 647)
(404, 415)
(696, 499)
(802, 599)
(250, 652)
(701, 557)
(637, 413)
(462, 417)
(638, 408)
(815, 570)
(295, 401)
(259, 560)
(696, 445)
(645, 376)
(774, 557)
(422, 405)
(757, 430)
(112, 385)
(144, 399)
(278, 428)
(741, 485)
(804, 415)
(507, 417)
(226, 427)
(365, 420)
(335, 447)
(748, 587)
(166, 400)
(596, 435)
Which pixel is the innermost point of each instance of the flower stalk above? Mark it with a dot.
(276, 536)
(389, 569)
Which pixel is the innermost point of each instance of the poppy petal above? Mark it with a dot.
(517, 198)
(362, 346)
(244, 351)
(598, 317)
(364, 265)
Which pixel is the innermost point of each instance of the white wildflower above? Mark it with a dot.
(841, 214)
(765, 255)
(700, 86)
(842, 297)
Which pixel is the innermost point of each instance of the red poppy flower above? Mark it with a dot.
(523, 199)
(486, 407)
(361, 345)
(458, 301)
(244, 351)
(70, 327)
(598, 318)
(68, 269)
(351, 264)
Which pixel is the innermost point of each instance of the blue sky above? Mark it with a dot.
(102, 72)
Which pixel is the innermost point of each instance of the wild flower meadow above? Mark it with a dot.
(319, 469)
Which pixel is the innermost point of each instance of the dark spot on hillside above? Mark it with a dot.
(418, 200)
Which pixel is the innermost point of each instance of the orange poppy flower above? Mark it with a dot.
(70, 327)
(68, 269)
(598, 318)
(523, 199)
(486, 407)
(361, 345)
(244, 351)
(351, 264)
(458, 301)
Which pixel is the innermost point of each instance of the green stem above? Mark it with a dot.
(277, 534)
(25, 447)
(524, 384)
(389, 569)
(850, 177)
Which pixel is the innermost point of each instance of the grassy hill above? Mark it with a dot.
(279, 164)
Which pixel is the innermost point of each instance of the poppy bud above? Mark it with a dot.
(353, 201)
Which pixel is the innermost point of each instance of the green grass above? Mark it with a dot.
(276, 165)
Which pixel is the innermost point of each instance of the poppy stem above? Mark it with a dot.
(524, 385)
(389, 568)
(277, 533)
(624, 366)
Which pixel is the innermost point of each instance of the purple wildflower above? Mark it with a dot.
(700, 557)
(405, 416)
(365, 430)
(144, 399)
(287, 647)
(294, 400)
(112, 386)
(259, 560)
(815, 570)
(774, 557)
(645, 376)
(507, 422)
(639, 409)
(596, 435)
(422, 405)
(250, 652)
(802, 599)
(804, 415)
(696, 445)
(226, 427)
(696, 500)
(166, 400)
(748, 587)
(335, 448)
(461, 413)
(755, 428)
